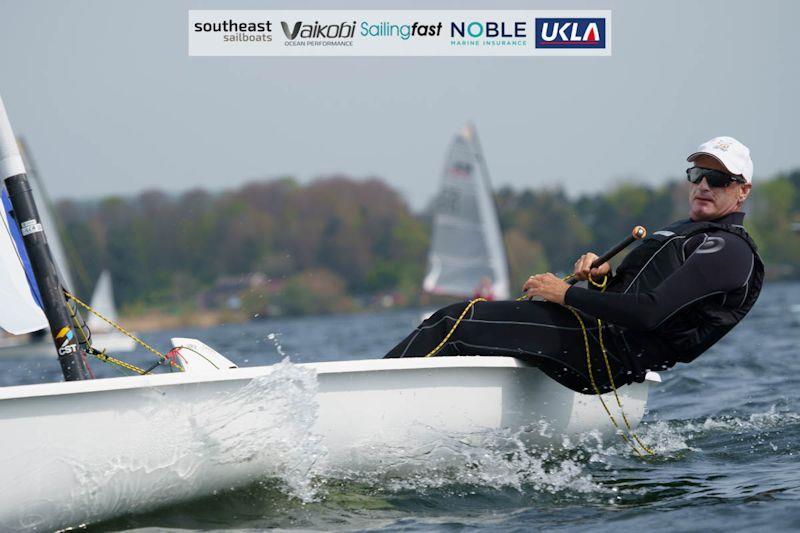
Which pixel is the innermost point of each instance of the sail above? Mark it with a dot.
(19, 311)
(102, 302)
(467, 249)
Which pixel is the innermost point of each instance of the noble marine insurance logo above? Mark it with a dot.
(489, 33)
(238, 32)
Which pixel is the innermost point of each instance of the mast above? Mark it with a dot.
(12, 170)
(59, 241)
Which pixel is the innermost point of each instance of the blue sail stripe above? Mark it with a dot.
(23, 254)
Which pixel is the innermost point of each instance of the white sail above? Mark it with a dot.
(103, 302)
(467, 247)
(19, 312)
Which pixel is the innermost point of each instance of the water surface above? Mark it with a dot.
(725, 430)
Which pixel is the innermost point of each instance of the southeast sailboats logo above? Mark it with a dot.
(65, 336)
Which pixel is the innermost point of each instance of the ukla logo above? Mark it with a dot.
(570, 33)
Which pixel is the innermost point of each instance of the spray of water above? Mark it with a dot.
(275, 339)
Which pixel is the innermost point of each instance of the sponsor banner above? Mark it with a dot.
(399, 33)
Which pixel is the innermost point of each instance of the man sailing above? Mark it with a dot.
(675, 295)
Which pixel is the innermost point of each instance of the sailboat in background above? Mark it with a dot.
(467, 257)
(104, 337)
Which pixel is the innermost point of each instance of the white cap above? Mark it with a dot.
(731, 153)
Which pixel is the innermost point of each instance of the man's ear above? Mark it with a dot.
(744, 191)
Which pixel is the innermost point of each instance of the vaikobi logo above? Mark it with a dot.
(316, 34)
(343, 30)
(570, 33)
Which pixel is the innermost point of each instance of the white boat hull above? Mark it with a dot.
(80, 452)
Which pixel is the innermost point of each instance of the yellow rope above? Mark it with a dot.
(101, 355)
(114, 361)
(614, 388)
(597, 389)
(602, 286)
(460, 318)
(124, 332)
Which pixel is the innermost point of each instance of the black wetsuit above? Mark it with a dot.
(669, 300)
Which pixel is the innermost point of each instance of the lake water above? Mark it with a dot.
(725, 429)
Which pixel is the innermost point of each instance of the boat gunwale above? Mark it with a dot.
(322, 367)
(59, 388)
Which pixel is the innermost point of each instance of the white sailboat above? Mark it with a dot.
(78, 452)
(467, 256)
(104, 336)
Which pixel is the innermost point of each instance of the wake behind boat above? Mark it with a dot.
(121, 445)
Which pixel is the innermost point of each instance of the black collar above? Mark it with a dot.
(736, 219)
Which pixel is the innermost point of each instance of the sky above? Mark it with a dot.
(109, 101)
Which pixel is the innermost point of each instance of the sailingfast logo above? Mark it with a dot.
(571, 33)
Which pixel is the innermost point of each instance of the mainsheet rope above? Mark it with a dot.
(170, 357)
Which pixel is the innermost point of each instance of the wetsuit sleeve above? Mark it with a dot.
(718, 263)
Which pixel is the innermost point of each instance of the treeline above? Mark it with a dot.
(336, 241)
(360, 236)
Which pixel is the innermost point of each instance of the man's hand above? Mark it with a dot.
(547, 286)
(583, 267)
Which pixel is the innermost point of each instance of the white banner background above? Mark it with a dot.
(213, 43)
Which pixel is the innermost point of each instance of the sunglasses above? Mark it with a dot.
(714, 178)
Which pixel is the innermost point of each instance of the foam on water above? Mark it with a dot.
(491, 459)
(674, 437)
(584, 464)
